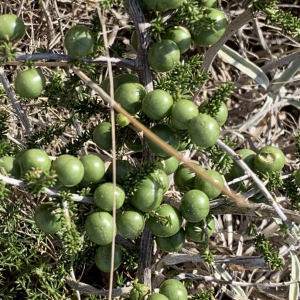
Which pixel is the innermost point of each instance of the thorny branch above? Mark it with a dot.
(233, 282)
(142, 30)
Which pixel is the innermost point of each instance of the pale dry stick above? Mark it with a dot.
(20, 8)
(49, 192)
(89, 289)
(59, 20)
(258, 210)
(259, 184)
(280, 62)
(247, 262)
(231, 29)
(258, 31)
(242, 178)
(228, 219)
(183, 276)
(12, 139)
(142, 30)
(42, 63)
(103, 60)
(50, 31)
(15, 103)
(113, 137)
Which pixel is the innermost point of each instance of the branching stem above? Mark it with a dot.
(259, 184)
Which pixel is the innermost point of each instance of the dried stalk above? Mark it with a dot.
(280, 62)
(88, 289)
(258, 210)
(259, 184)
(49, 192)
(59, 58)
(233, 282)
(15, 103)
(142, 30)
(113, 137)
(246, 262)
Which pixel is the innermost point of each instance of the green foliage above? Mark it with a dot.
(72, 95)
(251, 230)
(184, 80)
(130, 260)
(43, 137)
(291, 190)
(137, 176)
(203, 295)
(36, 181)
(4, 192)
(6, 148)
(105, 4)
(188, 283)
(144, 119)
(85, 192)
(29, 268)
(3, 123)
(274, 180)
(189, 13)
(71, 238)
(284, 228)
(86, 255)
(7, 52)
(96, 29)
(93, 70)
(289, 24)
(271, 257)
(219, 96)
(157, 27)
(117, 49)
(120, 279)
(76, 144)
(220, 160)
(205, 253)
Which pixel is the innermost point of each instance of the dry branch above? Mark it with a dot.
(15, 103)
(66, 59)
